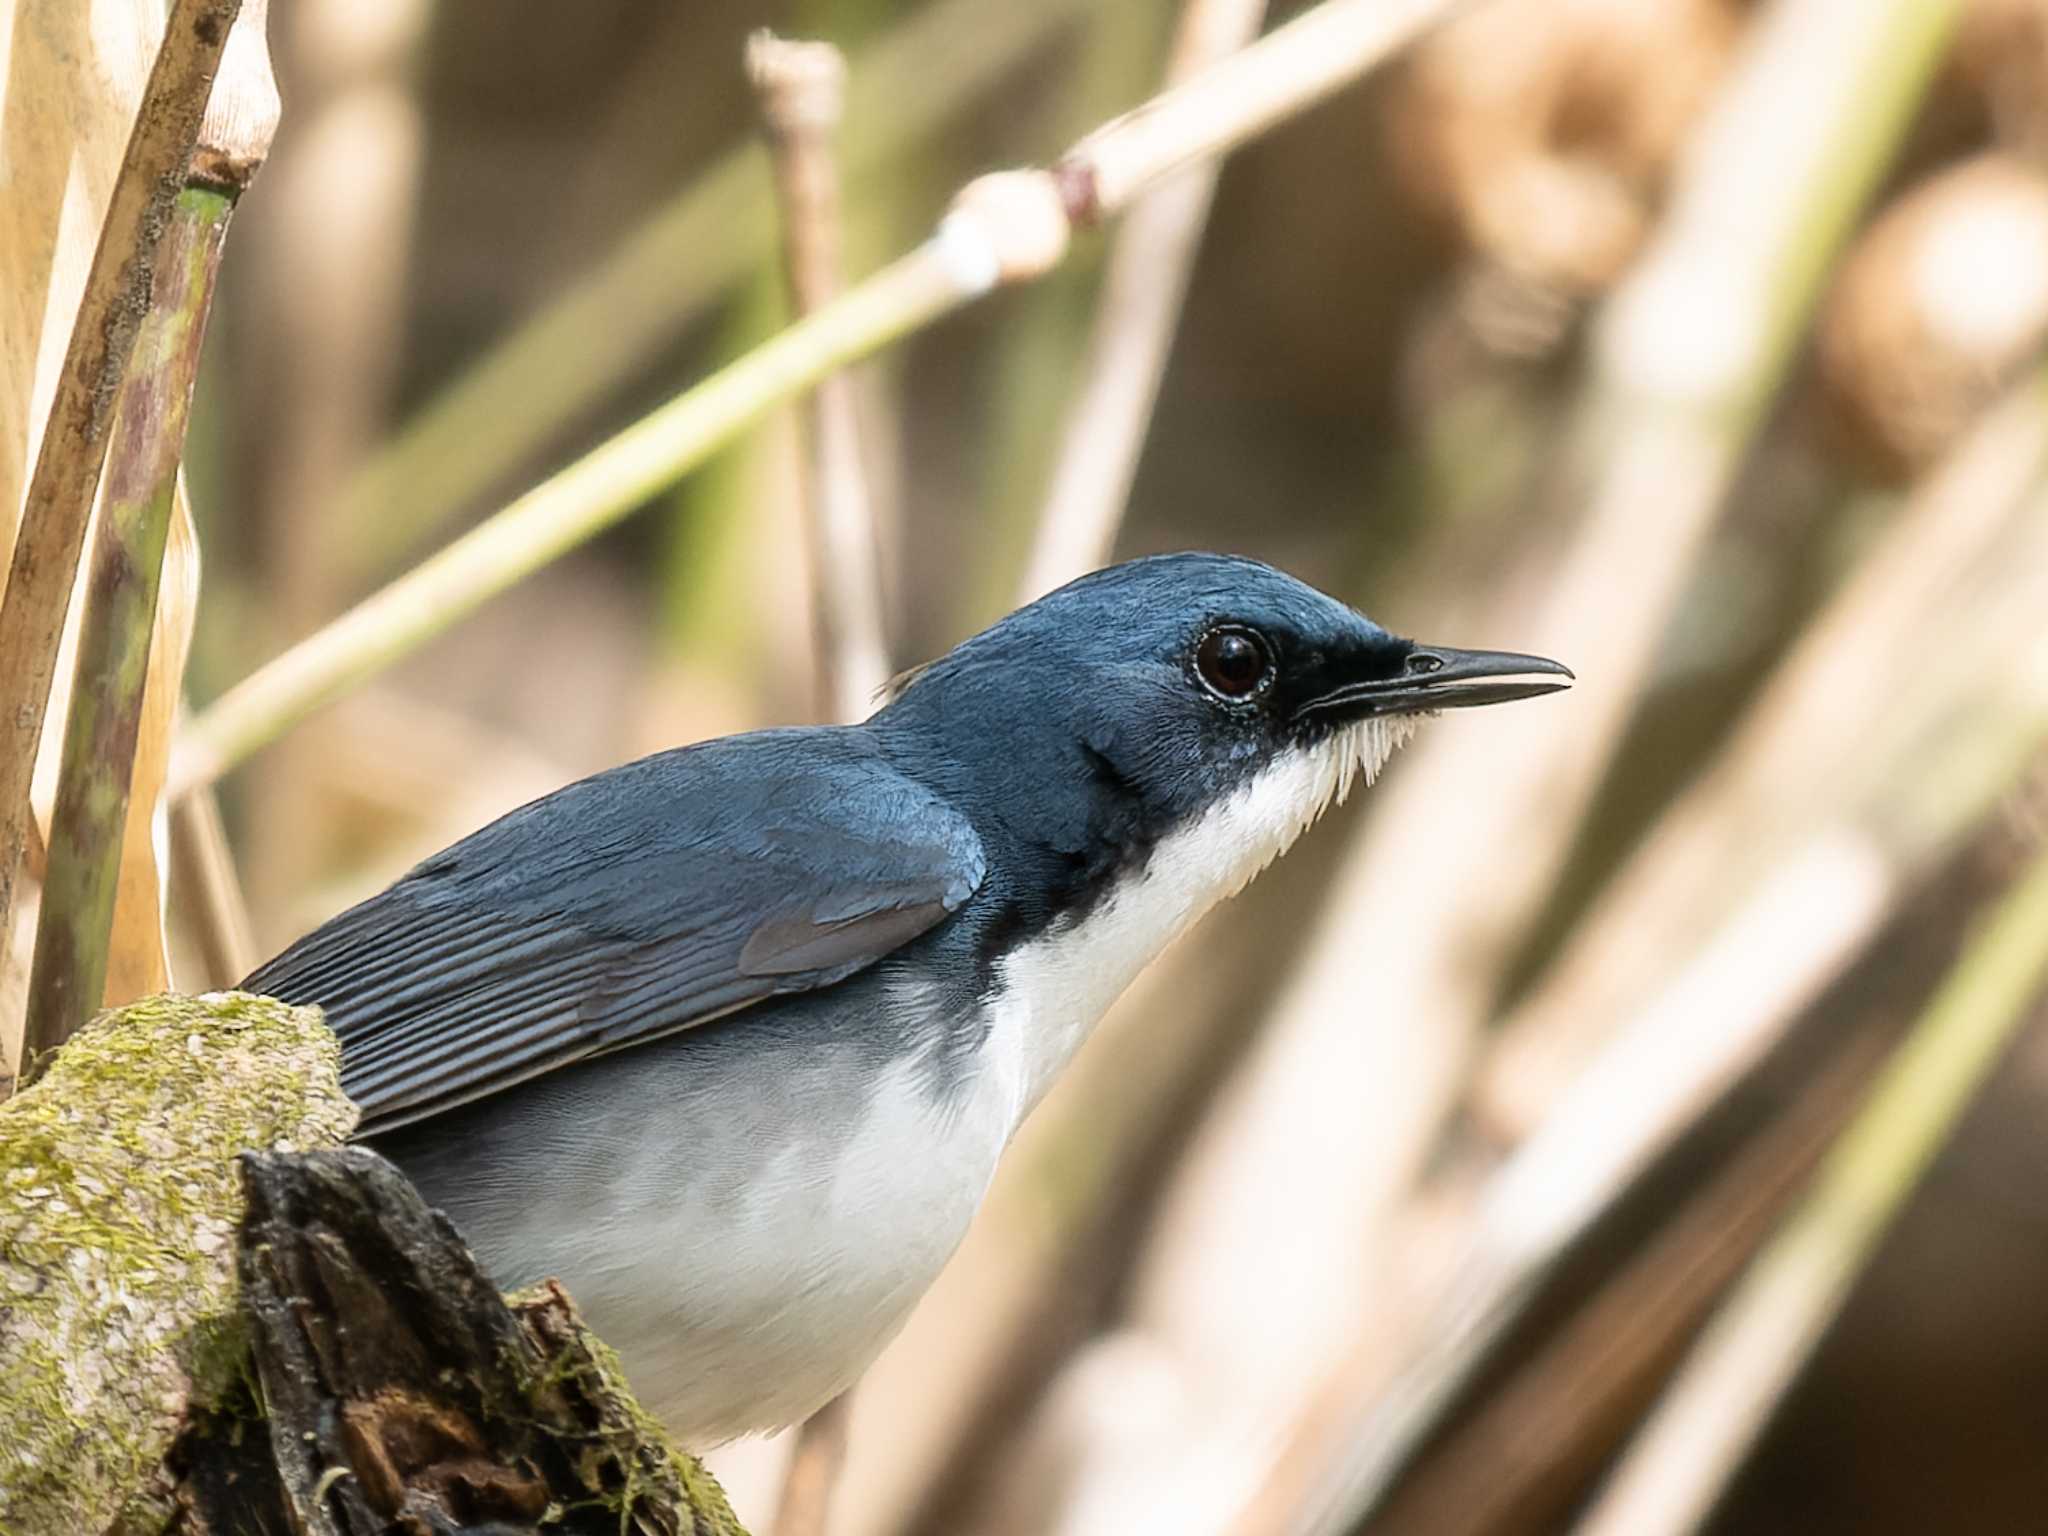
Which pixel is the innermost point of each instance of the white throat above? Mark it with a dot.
(1053, 990)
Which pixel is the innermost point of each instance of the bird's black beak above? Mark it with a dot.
(1433, 677)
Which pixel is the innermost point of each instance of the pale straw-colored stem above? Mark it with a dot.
(118, 627)
(802, 90)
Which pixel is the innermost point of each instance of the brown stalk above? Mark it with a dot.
(1703, 1428)
(117, 625)
(802, 91)
(1531, 1447)
(59, 502)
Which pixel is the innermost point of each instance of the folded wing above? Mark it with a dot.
(627, 906)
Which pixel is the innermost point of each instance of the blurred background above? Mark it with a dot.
(1695, 342)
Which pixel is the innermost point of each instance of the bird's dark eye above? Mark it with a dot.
(1233, 663)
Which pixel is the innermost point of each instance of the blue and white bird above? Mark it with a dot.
(730, 1039)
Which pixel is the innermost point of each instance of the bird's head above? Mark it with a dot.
(1204, 698)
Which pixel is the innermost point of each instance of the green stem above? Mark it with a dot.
(115, 629)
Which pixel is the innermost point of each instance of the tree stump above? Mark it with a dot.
(215, 1319)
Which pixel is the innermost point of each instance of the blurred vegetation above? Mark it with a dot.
(1680, 338)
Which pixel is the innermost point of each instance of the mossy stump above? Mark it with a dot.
(303, 1349)
(119, 1201)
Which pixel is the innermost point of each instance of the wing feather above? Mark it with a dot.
(628, 906)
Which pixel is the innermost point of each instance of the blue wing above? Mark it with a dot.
(627, 906)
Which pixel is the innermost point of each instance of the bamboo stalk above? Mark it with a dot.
(58, 505)
(116, 630)
(1142, 293)
(1753, 1351)
(1006, 228)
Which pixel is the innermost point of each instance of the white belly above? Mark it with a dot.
(747, 1288)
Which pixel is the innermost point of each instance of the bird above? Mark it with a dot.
(729, 1040)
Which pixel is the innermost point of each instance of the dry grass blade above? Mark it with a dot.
(1756, 1347)
(138, 961)
(58, 505)
(209, 894)
(802, 91)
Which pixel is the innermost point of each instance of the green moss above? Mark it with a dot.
(646, 1464)
(119, 1199)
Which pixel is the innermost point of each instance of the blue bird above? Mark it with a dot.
(730, 1039)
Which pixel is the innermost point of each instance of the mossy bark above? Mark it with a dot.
(119, 1201)
(297, 1345)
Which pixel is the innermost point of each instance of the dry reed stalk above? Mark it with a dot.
(203, 874)
(802, 91)
(58, 505)
(118, 626)
(1531, 1445)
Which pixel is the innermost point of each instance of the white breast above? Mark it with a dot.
(1055, 989)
